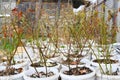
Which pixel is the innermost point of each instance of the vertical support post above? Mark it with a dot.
(58, 9)
(68, 3)
(104, 9)
(115, 7)
(0, 14)
(40, 8)
(116, 19)
(0, 6)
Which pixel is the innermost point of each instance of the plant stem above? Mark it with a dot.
(25, 49)
(43, 59)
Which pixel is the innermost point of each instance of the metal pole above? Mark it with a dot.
(0, 18)
(114, 22)
(0, 5)
(40, 9)
(115, 6)
(58, 9)
(68, 3)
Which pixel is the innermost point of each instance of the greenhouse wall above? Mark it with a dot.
(9, 4)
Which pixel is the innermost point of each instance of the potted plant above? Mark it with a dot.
(44, 68)
(11, 68)
(107, 66)
(76, 39)
(9, 43)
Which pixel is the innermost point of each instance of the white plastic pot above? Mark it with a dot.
(11, 77)
(105, 67)
(32, 71)
(116, 45)
(90, 76)
(56, 66)
(106, 77)
(23, 64)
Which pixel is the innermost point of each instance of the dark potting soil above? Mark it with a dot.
(117, 72)
(41, 64)
(42, 75)
(75, 56)
(105, 61)
(78, 71)
(72, 62)
(10, 71)
(113, 73)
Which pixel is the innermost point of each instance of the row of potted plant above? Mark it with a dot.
(70, 68)
(74, 47)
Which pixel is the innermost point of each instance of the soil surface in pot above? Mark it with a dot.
(10, 71)
(113, 73)
(75, 56)
(78, 71)
(117, 72)
(41, 64)
(105, 61)
(108, 61)
(72, 62)
(41, 75)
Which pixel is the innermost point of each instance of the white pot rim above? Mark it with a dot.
(86, 76)
(18, 65)
(117, 43)
(98, 74)
(11, 76)
(55, 71)
(56, 66)
(96, 64)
